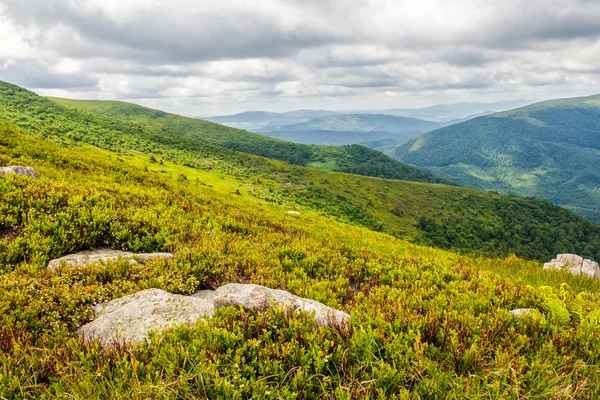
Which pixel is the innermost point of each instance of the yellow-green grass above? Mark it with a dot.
(427, 323)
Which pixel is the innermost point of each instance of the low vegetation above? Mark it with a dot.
(426, 323)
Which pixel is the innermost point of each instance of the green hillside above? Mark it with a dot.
(450, 217)
(549, 150)
(190, 133)
(426, 323)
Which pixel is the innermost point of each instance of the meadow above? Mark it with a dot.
(426, 322)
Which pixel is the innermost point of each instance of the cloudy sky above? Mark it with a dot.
(205, 57)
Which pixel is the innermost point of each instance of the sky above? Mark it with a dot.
(205, 57)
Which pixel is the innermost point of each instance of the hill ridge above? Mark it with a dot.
(548, 150)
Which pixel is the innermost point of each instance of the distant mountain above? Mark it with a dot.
(362, 123)
(309, 114)
(450, 112)
(548, 150)
(339, 130)
(383, 145)
(256, 120)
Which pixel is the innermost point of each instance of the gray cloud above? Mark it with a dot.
(186, 55)
(35, 74)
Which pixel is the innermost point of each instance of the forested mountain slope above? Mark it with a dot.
(549, 150)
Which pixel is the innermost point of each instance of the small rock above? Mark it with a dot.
(130, 319)
(575, 264)
(522, 312)
(19, 170)
(293, 213)
(262, 298)
(103, 255)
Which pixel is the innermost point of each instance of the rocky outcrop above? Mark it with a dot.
(262, 298)
(575, 264)
(19, 170)
(130, 319)
(103, 255)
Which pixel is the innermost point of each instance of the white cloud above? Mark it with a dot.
(203, 57)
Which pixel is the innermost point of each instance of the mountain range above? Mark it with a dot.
(549, 150)
(451, 113)
(360, 126)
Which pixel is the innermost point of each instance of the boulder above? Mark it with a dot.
(19, 170)
(205, 294)
(130, 319)
(575, 264)
(291, 212)
(262, 298)
(103, 255)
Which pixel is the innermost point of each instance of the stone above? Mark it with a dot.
(262, 298)
(293, 212)
(522, 312)
(103, 255)
(130, 319)
(204, 294)
(19, 170)
(575, 264)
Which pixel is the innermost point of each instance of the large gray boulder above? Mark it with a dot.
(103, 255)
(19, 170)
(575, 264)
(262, 298)
(130, 319)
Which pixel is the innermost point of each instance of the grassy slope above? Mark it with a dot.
(426, 323)
(467, 220)
(354, 159)
(549, 150)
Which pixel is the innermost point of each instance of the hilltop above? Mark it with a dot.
(549, 150)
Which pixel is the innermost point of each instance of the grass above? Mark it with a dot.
(426, 323)
(328, 166)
